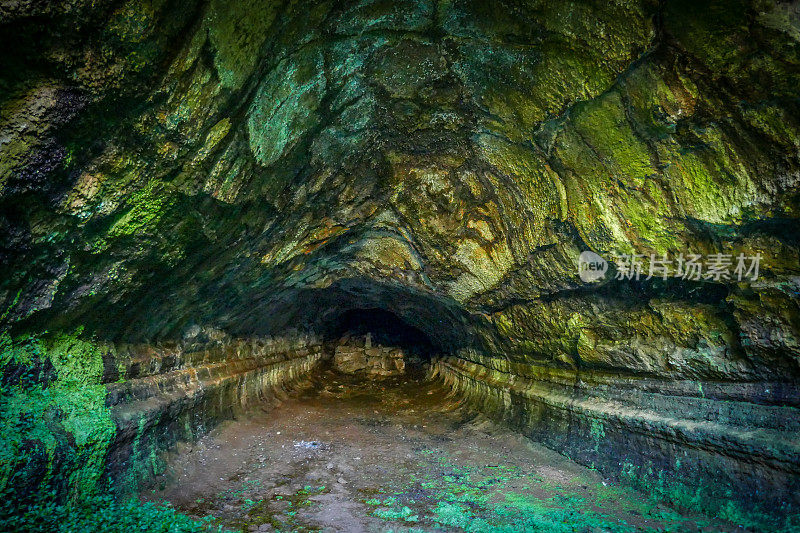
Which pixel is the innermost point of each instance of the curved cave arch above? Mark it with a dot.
(196, 196)
(386, 327)
(446, 326)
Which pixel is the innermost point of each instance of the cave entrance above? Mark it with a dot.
(378, 343)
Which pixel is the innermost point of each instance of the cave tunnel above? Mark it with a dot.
(381, 328)
(413, 265)
(384, 327)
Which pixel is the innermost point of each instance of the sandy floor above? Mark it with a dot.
(396, 455)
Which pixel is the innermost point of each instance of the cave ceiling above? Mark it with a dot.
(256, 166)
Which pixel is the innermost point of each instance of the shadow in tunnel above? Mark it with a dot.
(385, 329)
(419, 318)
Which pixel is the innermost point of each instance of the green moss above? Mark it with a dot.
(604, 126)
(237, 31)
(66, 417)
(258, 512)
(285, 106)
(129, 34)
(144, 464)
(130, 24)
(56, 435)
(597, 432)
(145, 210)
(702, 498)
(217, 132)
(543, 188)
(519, 87)
(774, 123)
(712, 183)
(403, 513)
(629, 166)
(510, 499)
(747, 42)
(615, 169)
(104, 513)
(712, 32)
(13, 153)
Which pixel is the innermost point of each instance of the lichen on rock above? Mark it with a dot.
(261, 166)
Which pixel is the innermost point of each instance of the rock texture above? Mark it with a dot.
(354, 356)
(79, 415)
(258, 165)
(701, 447)
(170, 393)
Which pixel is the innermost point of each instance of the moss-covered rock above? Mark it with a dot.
(261, 165)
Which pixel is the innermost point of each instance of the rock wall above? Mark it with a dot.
(359, 356)
(258, 165)
(728, 449)
(166, 394)
(80, 414)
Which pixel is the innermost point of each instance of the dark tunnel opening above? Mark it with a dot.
(386, 329)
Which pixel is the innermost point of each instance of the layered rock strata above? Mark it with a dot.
(167, 393)
(258, 165)
(728, 449)
(80, 415)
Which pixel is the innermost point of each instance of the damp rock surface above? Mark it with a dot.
(202, 168)
(346, 454)
(359, 356)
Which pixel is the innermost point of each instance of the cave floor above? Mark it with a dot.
(343, 454)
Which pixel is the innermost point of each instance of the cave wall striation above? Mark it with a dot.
(257, 165)
(85, 418)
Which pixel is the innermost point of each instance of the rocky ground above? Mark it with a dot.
(394, 455)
